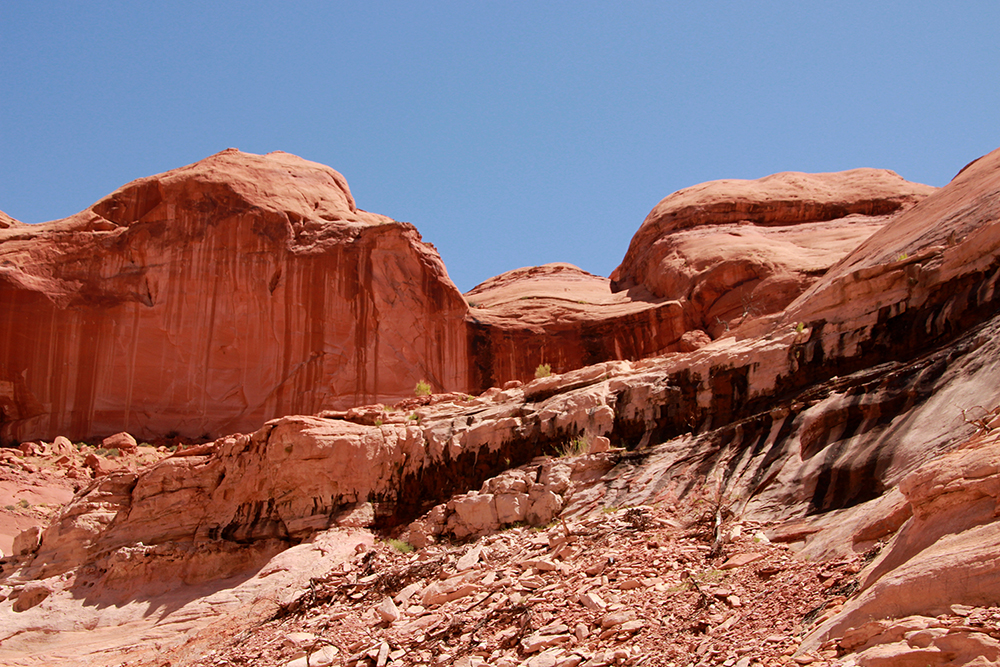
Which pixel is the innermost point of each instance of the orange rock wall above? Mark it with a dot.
(196, 311)
(501, 351)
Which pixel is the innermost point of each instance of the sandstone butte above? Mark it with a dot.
(771, 437)
(213, 297)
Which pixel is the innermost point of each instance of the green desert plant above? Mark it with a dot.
(543, 371)
(399, 545)
(574, 447)
(422, 389)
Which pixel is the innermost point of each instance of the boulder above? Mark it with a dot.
(121, 441)
(33, 594)
(388, 611)
(101, 465)
(511, 507)
(474, 514)
(62, 446)
(32, 448)
(27, 541)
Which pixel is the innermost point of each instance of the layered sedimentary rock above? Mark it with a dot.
(732, 250)
(211, 298)
(795, 417)
(942, 556)
(241, 288)
(564, 317)
(706, 259)
(846, 418)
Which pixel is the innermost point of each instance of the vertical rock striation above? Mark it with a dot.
(211, 298)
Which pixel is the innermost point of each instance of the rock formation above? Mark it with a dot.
(7, 221)
(564, 317)
(731, 250)
(211, 298)
(853, 426)
(214, 297)
(705, 260)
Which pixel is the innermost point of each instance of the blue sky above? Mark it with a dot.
(511, 134)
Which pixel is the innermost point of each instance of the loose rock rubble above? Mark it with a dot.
(633, 586)
(532, 495)
(38, 478)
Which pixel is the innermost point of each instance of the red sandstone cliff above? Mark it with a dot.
(214, 297)
(559, 315)
(211, 298)
(707, 259)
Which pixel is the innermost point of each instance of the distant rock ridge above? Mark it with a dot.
(563, 317)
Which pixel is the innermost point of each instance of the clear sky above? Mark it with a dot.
(510, 133)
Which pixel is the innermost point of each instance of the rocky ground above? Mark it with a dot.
(632, 586)
(664, 585)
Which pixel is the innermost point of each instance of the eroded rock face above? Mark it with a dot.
(732, 250)
(842, 417)
(214, 297)
(564, 317)
(795, 421)
(7, 221)
(944, 556)
(211, 298)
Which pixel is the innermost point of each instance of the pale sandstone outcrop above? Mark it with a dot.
(944, 555)
(211, 298)
(534, 495)
(140, 600)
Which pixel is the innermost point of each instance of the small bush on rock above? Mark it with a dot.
(400, 545)
(574, 447)
(422, 389)
(543, 371)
